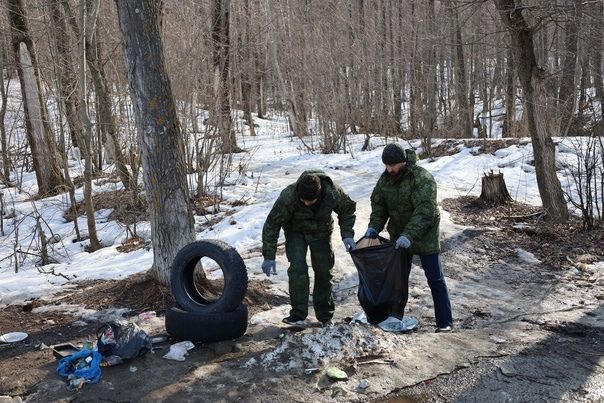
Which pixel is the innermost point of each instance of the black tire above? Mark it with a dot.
(206, 327)
(233, 270)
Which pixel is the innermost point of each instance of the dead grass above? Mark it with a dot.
(452, 146)
(557, 245)
(126, 208)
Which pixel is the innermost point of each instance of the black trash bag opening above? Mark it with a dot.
(383, 280)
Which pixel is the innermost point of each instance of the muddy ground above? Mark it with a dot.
(527, 328)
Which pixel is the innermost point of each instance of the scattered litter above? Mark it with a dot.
(63, 350)
(179, 350)
(336, 374)
(363, 384)
(76, 383)
(13, 337)
(133, 368)
(158, 339)
(384, 361)
(111, 360)
(310, 371)
(391, 324)
(81, 367)
(146, 316)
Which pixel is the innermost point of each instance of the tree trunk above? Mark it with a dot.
(86, 139)
(73, 97)
(567, 91)
(106, 121)
(45, 155)
(260, 84)
(461, 81)
(494, 192)
(509, 123)
(247, 75)
(295, 114)
(220, 58)
(5, 173)
(531, 78)
(597, 65)
(159, 133)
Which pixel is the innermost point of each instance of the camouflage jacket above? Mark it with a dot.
(408, 203)
(292, 215)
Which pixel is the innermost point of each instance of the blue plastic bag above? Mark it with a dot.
(78, 365)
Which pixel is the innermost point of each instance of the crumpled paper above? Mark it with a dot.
(179, 350)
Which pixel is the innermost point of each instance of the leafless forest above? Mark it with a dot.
(117, 81)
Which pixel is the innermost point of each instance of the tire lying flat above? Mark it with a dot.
(206, 327)
(233, 269)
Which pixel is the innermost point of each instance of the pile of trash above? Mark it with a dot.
(116, 342)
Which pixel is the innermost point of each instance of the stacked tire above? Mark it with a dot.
(194, 317)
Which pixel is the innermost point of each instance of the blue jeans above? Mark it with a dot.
(436, 280)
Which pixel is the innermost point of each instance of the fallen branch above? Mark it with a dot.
(384, 361)
(583, 307)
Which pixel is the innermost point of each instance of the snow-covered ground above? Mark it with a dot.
(273, 159)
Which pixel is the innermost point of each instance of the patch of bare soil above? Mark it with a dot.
(522, 225)
(24, 364)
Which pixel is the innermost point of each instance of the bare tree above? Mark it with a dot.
(5, 173)
(567, 92)
(93, 56)
(159, 133)
(465, 113)
(220, 56)
(45, 155)
(74, 99)
(532, 81)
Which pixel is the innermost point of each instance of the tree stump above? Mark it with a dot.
(494, 191)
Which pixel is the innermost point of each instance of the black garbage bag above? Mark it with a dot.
(383, 280)
(125, 342)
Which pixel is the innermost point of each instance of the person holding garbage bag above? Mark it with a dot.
(405, 198)
(304, 210)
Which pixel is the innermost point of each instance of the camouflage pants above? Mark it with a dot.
(321, 257)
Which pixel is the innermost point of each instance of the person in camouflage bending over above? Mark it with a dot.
(405, 197)
(304, 211)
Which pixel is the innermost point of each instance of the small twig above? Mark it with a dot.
(516, 217)
(384, 361)
(52, 271)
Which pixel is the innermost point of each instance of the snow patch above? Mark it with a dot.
(527, 256)
(334, 343)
